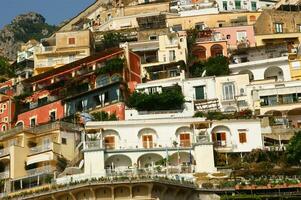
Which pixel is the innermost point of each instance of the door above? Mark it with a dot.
(110, 142)
(147, 141)
(185, 140)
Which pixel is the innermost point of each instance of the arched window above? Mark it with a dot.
(200, 52)
(4, 128)
(216, 50)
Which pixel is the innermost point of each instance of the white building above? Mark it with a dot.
(244, 5)
(225, 93)
(263, 63)
(236, 135)
(119, 146)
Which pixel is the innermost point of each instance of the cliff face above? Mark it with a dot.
(23, 28)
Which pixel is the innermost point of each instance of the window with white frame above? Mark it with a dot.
(241, 36)
(33, 122)
(228, 91)
(172, 55)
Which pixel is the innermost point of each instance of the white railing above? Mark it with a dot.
(4, 152)
(4, 175)
(97, 144)
(40, 170)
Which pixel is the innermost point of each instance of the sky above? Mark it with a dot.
(55, 11)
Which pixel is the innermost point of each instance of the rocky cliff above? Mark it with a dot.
(23, 28)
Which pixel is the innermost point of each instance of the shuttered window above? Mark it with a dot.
(242, 137)
(199, 93)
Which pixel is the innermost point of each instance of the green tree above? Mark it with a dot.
(104, 116)
(6, 71)
(217, 66)
(294, 149)
(112, 39)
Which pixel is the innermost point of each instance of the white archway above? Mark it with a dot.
(148, 160)
(119, 162)
(274, 72)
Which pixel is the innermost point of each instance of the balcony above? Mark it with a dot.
(4, 175)
(89, 145)
(4, 152)
(43, 148)
(40, 170)
(46, 50)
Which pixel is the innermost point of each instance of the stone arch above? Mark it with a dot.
(140, 191)
(148, 160)
(103, 193)
(216, 50)
(122, 192)
(250, 73)
(274, 72)
(182, 158)
(200, 52)
(111, 138)
(294, 117)
(184, 136)
(84, 194)
(219, 135)
(20, 124)
(119, 161)
(148, 137)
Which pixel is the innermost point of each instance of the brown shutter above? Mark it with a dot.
(213, 137)
(223, 135)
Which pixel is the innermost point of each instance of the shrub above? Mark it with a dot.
(207, 185)
(104, 116)
(170, 99)
(111, 66)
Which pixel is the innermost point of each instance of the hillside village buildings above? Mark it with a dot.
(48, 134)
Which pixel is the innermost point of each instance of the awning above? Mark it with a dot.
(279, 91)
(39, 158)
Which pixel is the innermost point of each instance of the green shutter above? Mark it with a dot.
(199, 92)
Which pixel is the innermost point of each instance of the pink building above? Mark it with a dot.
(237, 36)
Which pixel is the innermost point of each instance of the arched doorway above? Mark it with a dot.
(275, 73)
(294, 117)
(219, 135)
(246, 71)
(216, 50)
(200, 52)
(148, 160)
(118, 162)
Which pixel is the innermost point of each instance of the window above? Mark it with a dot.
(228, 37)
(172, 55)
(241, 36)
(219, 139)
(71, 41)
(33, 122)
(278, 27)
(152, 90)
(228, 91)
(177, 27)
(225, 5)
(199, 93)
(110, 142)
(52, 116)
(153, 37)
(299, 27)
(253, 6)
(64, 140)
(238, 5)
(4, 128)
(242, 137)
(185, 140)
(4, 106)
(200, 26)
(173, 73)
(147, 141)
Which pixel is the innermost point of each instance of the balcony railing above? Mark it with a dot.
(93, 144)
(4, 175)
(4, 152)
(40, 149)
(40, 170)
(185, 143)
(110, 145)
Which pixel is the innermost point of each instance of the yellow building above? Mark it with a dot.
(275, 27)
(213, 20)
(31, 157)
(295, 66)
(63, 48)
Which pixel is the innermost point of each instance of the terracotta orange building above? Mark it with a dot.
(96, 83)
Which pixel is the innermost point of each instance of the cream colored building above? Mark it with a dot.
(63, 48)
(160, 54)
(31, 156)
